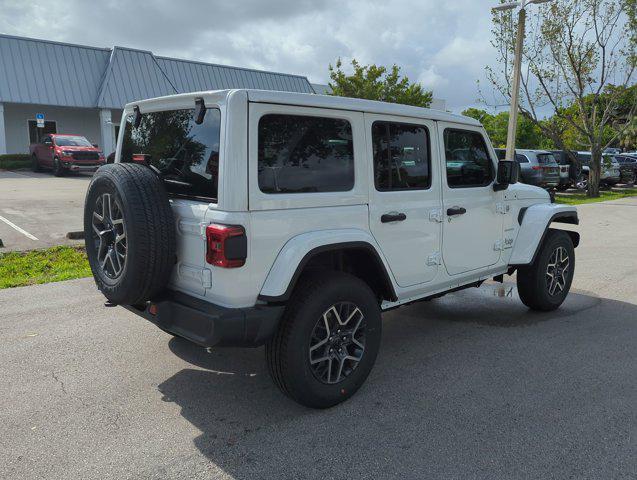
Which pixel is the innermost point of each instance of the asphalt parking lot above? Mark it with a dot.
(37, 209)
(471, 385)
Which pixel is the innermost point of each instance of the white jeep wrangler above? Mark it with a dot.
(245, 217)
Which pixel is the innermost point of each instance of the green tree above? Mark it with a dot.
(529, 135)
(377, 83)
(579, 56)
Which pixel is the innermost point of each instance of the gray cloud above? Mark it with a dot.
(444, 45)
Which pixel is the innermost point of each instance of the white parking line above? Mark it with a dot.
(13, 225)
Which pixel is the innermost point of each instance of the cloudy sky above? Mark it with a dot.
(444, 45)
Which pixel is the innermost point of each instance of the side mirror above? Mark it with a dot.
(95, 145)
(508, 173)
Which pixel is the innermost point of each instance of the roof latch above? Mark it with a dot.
(138, 116)
(200, 110)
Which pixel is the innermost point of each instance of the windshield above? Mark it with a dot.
(546, 159)
(75, 141)
(185, 154)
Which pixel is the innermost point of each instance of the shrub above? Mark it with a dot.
(14, 161)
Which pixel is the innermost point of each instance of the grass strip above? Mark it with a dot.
(32, 267)
(604, 195)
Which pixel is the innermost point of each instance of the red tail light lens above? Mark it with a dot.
(536, 167)
(227, 245)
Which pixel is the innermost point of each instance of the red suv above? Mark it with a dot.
(66, 153)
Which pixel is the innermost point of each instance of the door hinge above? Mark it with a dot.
(433, 259)
(435, 215)
(498, 245)
(502, 208)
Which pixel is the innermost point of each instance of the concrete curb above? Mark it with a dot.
(75, 235)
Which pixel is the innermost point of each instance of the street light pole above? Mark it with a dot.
(515, 93)
(517, 67)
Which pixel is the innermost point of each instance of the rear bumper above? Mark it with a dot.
(207, 324)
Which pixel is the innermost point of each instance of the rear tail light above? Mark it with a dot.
(227, 245)
(536, 167)
(141, 158)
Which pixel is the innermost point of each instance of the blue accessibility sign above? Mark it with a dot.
(39, 116)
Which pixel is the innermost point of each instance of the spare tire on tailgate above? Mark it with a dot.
(129, 232)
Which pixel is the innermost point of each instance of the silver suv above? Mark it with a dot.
(538, 167)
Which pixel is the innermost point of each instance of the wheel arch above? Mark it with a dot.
(535, 222)
(350, 251)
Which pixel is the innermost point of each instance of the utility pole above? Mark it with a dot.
(517, 68)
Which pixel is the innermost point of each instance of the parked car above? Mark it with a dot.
(627, 167)
(538, 167)
(248, 217)
(609, 175)
(570, 168)
(65, 153)
(612, 150)
(501, 153)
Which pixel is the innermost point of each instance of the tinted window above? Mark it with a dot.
(467, 158)
(305, 154)
(546, 159)
(401, 156)
(584, 158)
(185, 154)
(521, 158)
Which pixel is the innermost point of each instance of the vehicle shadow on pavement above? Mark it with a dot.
(464, 386)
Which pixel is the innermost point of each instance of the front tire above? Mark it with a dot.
(328, 340)
(58, 169)
(545, 283)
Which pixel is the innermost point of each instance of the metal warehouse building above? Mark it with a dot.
(82, 90)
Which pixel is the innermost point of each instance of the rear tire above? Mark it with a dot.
(312, 357)
(35, 163)
(582, 182)
(545, 283)
(129, 233)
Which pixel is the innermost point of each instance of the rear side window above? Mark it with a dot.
(546, 159)
(300, 153)
(467, 159)
(521, 158)
(186, 155)
(401, 156)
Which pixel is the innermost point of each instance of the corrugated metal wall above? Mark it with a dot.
(51, 73)
(48, 73)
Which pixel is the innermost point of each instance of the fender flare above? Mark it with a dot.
(299, 250)
(535, 222)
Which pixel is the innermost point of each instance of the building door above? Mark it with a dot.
(36, 133)
(472, 226)
(404, 207)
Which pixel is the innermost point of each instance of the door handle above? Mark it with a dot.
(456, 211)
(392, 217)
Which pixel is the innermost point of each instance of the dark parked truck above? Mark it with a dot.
(65, 153)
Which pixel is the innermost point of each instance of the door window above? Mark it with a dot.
(467, 159)
(298, 153)
(401, 156)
